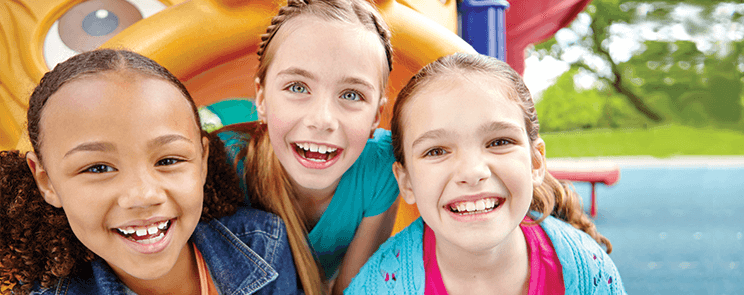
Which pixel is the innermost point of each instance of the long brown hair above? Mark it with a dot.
(38, 245)
(552, 197)
(267, 181)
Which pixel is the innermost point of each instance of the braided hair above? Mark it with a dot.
(269, 185)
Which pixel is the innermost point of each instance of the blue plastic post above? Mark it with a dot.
(483, 25)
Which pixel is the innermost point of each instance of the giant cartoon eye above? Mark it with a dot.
(89, 24)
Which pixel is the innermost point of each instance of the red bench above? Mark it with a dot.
(586, 171)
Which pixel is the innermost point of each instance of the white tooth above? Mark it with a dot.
(489, 203)
(331, 149)
(141, 232)
(152, 230)
(461, 207)
(163, 224)
(130, 230)
(306, 146)
(470, 206)
(480, 205)
(313, 147)
(322, 149)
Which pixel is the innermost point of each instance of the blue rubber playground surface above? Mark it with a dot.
(675, 229)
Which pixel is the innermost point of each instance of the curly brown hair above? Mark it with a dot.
(553, 197)
(38, 245)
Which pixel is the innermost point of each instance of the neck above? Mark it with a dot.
(183, 278)
(314, 202)
(504, 267)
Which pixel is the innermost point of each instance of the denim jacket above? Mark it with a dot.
(246, 253)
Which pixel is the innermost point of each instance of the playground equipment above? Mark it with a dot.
(210, 44)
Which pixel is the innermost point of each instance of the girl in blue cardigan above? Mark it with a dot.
(124, 193)
(465, 134)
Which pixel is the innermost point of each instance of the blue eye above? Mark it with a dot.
(351, 95)
(99, 168)
(167, 162)
(435, 152)
(297, 88)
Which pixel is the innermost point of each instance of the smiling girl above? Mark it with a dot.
(124, 192)
(316, 155)
(492, 221)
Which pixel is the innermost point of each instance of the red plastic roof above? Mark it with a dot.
(533, 21)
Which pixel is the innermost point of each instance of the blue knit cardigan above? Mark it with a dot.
(398, 266)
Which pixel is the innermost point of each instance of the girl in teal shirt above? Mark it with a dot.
(315, 157)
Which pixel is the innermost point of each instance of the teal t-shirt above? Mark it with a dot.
(367, 189)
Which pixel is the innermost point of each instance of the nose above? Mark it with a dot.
(141, 190)
(471, 168)
(321, 115)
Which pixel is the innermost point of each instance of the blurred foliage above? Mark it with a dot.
(665, 81)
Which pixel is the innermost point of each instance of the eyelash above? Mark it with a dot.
(103, 168)
(360, 97)
(95, 169)
(292, 87)
(429, 153)
(501, 140)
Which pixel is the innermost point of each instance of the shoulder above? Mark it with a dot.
(248, 221)
(381, 143)
(587, 269)
(397, 267)
(95, 277)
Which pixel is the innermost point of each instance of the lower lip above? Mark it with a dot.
(474, 217)
(316, 165)
(150, 248)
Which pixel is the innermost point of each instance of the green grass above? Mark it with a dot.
(661, 141)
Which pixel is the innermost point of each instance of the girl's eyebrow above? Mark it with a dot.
(91, 147)
(98, 146)
(358, 81)
(499, 125)
(431, 134)
(485, 128)
(166, 139)
(294, 71)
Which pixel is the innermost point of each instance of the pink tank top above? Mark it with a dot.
(546, 276)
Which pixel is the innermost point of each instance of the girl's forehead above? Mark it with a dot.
(456, 101)
(116, 101)
(308, 38)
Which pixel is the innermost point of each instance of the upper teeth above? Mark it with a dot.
(478, 205)
(319, 148)
(141, 231)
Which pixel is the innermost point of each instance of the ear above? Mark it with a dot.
(42, 180)
(378, 115)
(260, 101)
(538, 162)
(404, 183)
(205, 159)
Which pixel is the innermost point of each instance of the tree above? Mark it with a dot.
(671, 61)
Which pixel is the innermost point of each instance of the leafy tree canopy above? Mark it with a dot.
(636, 63)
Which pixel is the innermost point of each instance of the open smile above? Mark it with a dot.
(316, 156)
(474, 207)
(147, 239)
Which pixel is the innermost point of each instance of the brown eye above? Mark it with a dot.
(89, 24)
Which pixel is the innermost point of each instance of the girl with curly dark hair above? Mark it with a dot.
(124, 192)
